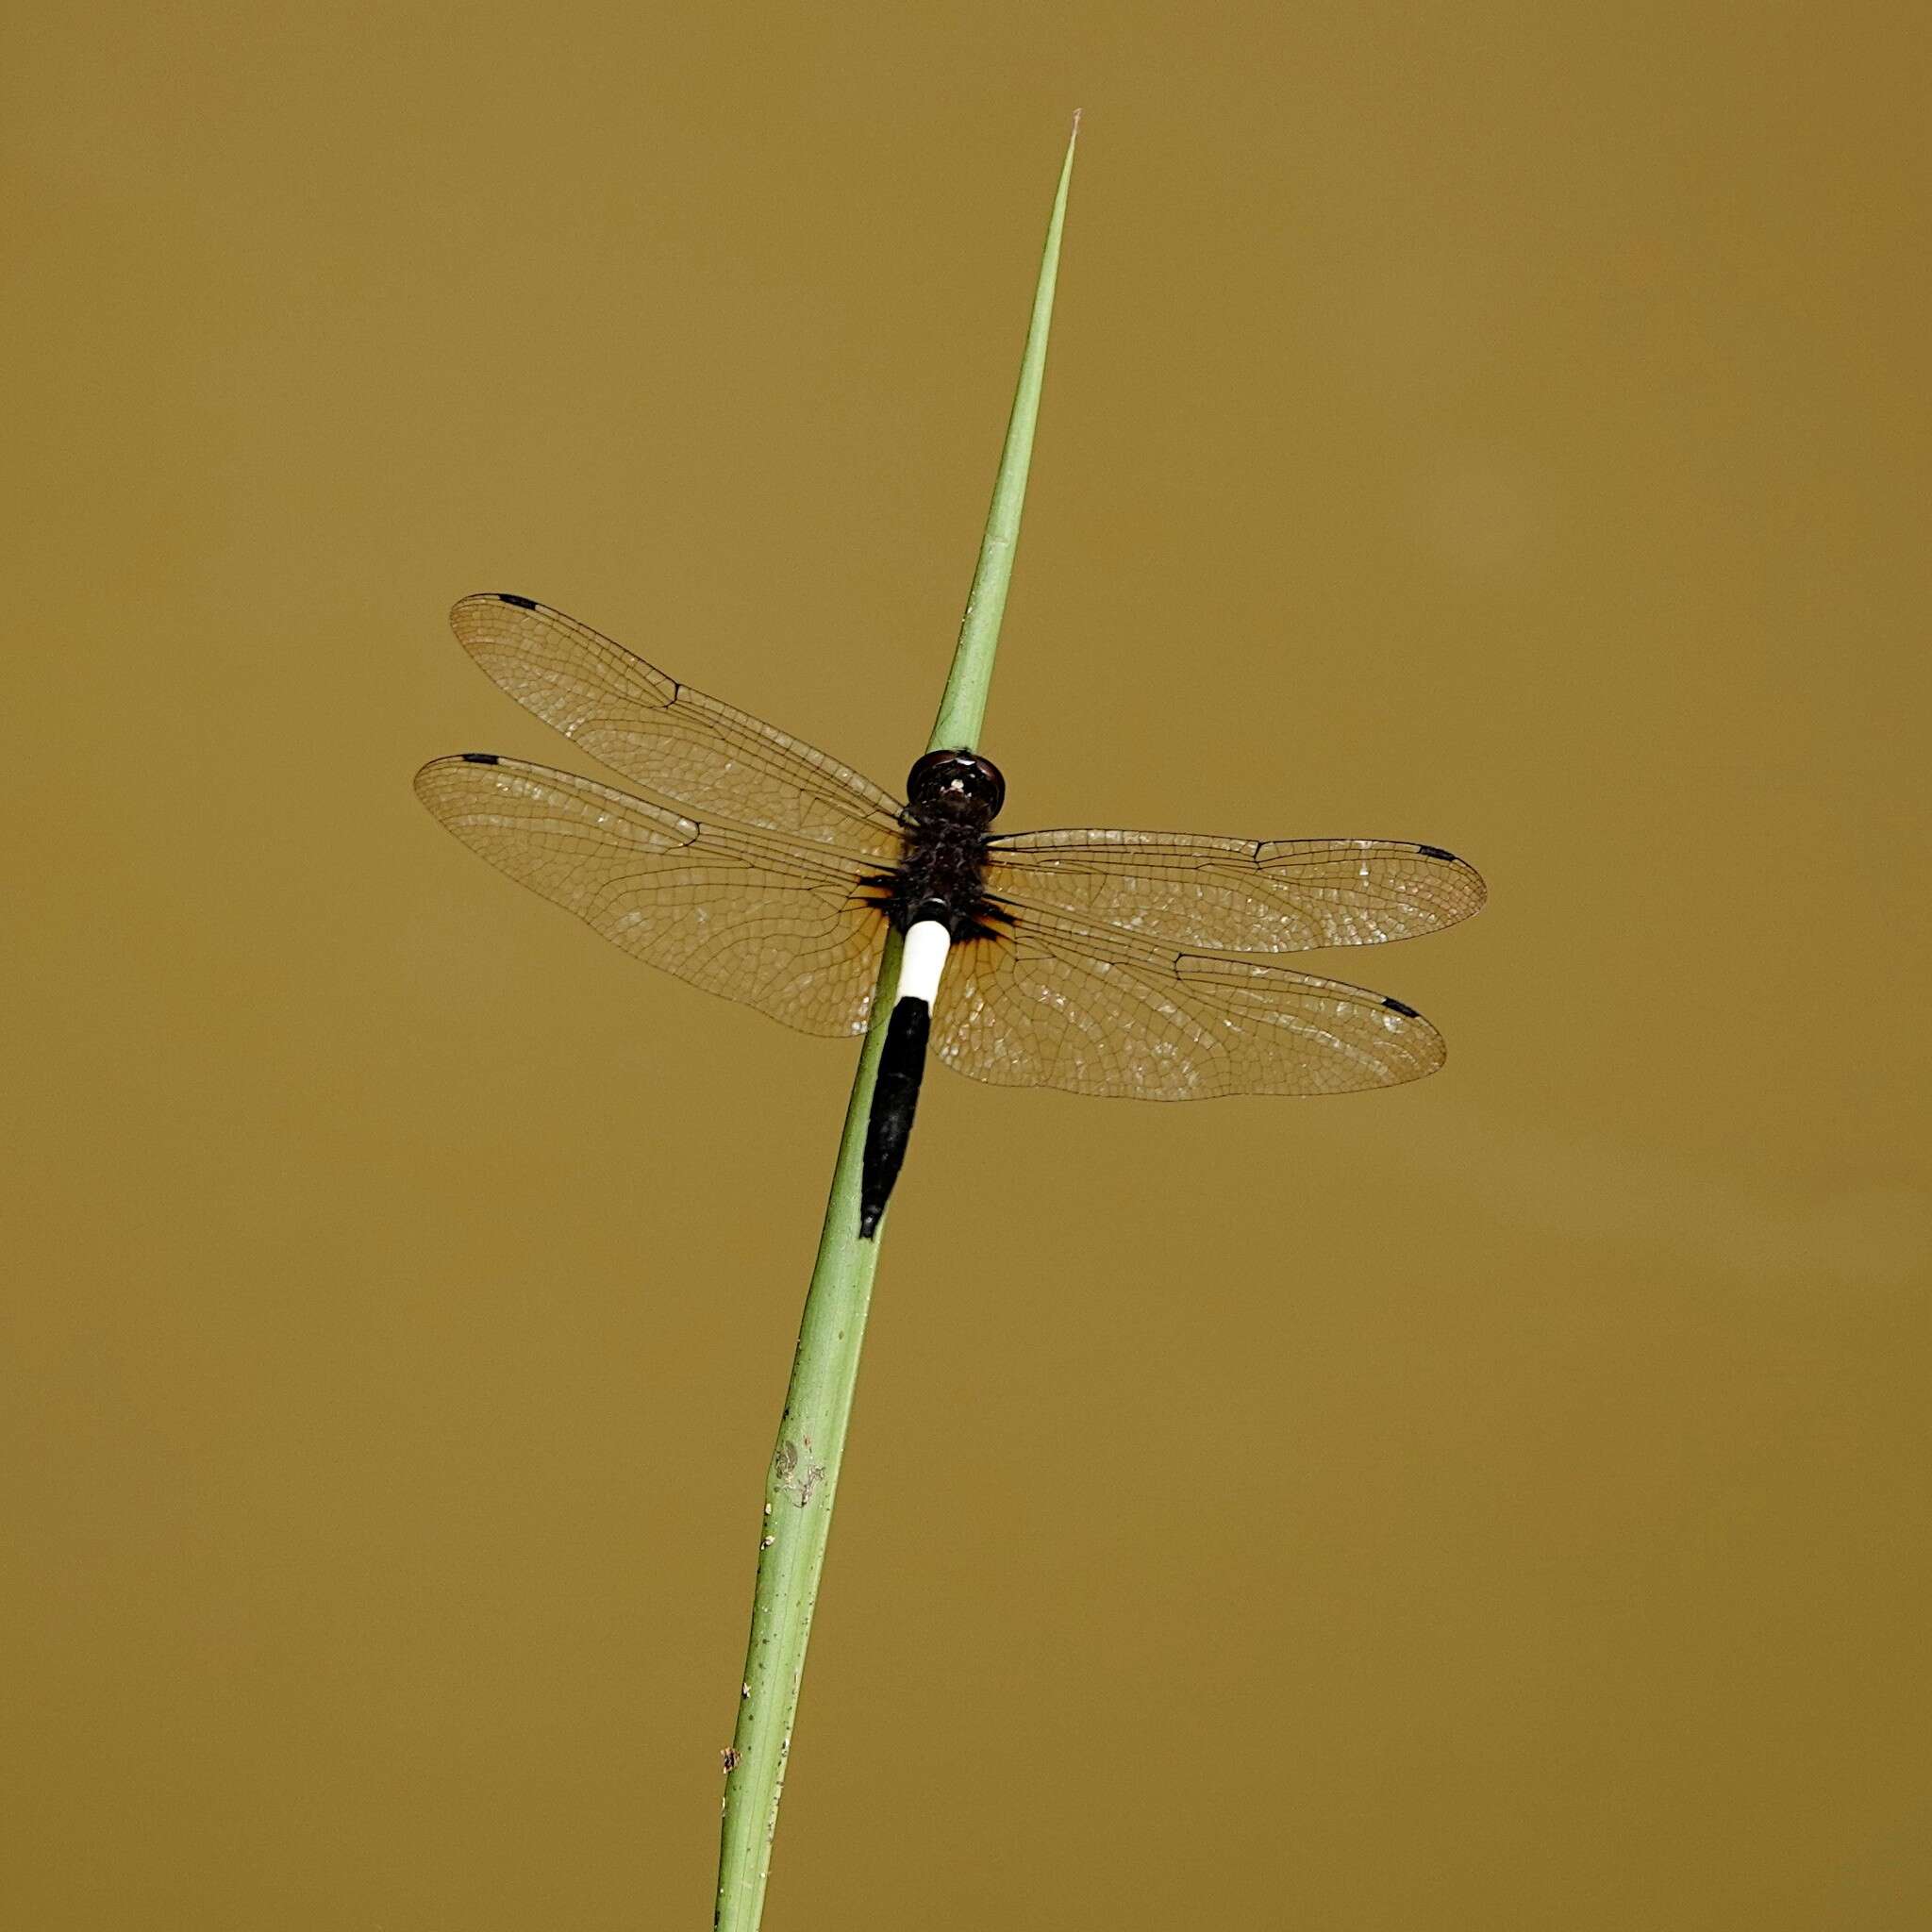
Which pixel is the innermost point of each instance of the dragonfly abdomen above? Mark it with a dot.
(902, 1066)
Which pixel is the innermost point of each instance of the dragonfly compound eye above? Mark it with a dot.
(957, 784)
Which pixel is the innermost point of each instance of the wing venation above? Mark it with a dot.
(1091, 1011)
(771, 921)
(677, 743)
(1237, 895)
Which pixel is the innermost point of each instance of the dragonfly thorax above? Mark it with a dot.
(941, 874)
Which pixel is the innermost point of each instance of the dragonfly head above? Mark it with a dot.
(957, 786)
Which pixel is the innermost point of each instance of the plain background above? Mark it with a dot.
(1494, 1504)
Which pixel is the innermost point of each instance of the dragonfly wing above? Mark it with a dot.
(1237, 895)
(773, 922)
(1089, 1010)
(674, 742)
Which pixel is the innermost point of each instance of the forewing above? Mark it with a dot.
(1237, 895)
(1051, 1004)
(677, 743)
(773, 922)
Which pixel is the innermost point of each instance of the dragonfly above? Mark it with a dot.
(1110, 962)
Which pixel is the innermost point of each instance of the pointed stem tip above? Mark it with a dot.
(962, 709)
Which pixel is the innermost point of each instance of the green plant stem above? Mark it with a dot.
(802, 1482)
(962, 706)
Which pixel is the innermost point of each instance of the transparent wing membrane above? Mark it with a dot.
(758, 878)
(1089, 1010)
(1237, 895)
(676, 742)
(766, 921)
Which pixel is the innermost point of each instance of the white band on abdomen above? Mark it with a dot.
(923, 961)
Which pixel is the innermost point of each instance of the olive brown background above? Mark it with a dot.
(1495, 1502)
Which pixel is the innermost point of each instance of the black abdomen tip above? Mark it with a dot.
(481, 757)
(1397, 1007)
(521, 603)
